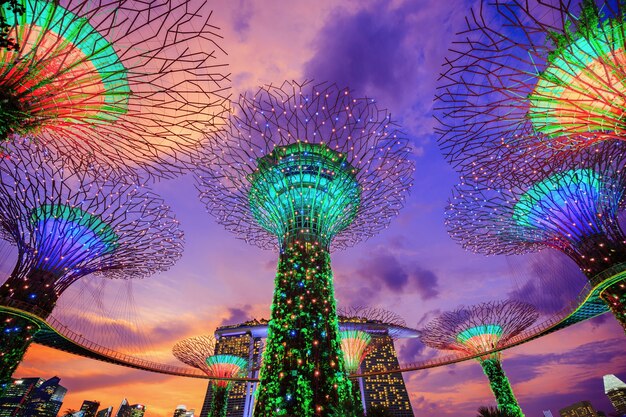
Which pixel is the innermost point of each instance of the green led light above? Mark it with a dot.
(78, 218)
(304, 187)
(95, 48)
(501, 387)
(551, 194)
(488, 329)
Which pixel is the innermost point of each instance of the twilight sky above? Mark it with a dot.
(390, 50)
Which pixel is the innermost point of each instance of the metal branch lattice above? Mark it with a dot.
(524, 76)
(569, 204)
(353, 317)
(133, 84)
(67, 225)
(194, 351)
(479, 328)
(350, 166)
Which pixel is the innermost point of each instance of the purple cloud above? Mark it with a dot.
(552, 280)
(385, 270)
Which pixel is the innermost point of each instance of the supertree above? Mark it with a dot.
(65, 226)
(199, 352)
(305, 169)
(360, 328)
(569, 204)
(132, 84)
(526, 75)
(479, 329)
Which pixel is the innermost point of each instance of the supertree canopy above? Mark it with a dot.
(65, 226)
(130, 83)
(526, 75)
(305, 168)
(480, 329)
(569, 204)
(198, 352)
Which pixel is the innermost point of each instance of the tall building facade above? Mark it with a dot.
(382, 391)
(386, 391)
(127, 410)
(547, 413)
(32, 397)
(615, 389)
(105, 412)
(244, 340)
(580, 409)
(89, 408)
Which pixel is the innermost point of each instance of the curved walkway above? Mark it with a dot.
(55, 335)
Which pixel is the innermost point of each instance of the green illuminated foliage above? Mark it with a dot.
(615, 297)
(501, 387)
(303, 367)
(15, 337)
(219, 402)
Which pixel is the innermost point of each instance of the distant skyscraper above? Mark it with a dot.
(126, 410)
(615, 389)
(90, 408)
(547, 413)
(105, 412)
(181, 411)
(32, 397)
(580, 409)
(387, 390)
(246, 340)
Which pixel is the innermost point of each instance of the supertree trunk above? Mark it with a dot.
(356, 398)
(500, 386)
(615, 297)
(303, 340)
(219, 402)
(16, 333)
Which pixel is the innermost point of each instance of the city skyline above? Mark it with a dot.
(391, 51)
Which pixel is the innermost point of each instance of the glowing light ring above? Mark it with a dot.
(567, 201)
(88, 50)
(354, 345)
(582, 90)
(225, 366)
(481, 337)
(304, 187)
(69, 236)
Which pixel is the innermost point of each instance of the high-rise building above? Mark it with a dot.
(386, 391)
(244, 340)
(90, 408)
(615, 389)
(127, 410)
(32, 397)
(17, 396)
(547, 413)
(580, 409)
(382, 391)
(105, 412)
